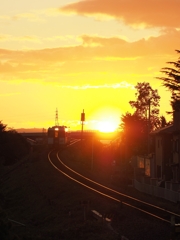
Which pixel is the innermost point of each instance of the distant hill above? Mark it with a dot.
(28, 130)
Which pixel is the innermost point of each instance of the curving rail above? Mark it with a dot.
(145, 207)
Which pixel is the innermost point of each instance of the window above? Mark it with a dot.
(56, 134)
(140, 162)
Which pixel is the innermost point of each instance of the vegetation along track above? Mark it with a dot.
(121, 198)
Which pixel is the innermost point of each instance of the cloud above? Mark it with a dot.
(50, 12)
(139, 13)
(28, 16)
(97, 58)
(100, 41)
(28, 38)
(10, 38)
(93, 47)
(37, 15)
(32, 16)
(113, 86)
(4, 37)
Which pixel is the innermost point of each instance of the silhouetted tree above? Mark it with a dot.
(134, 134)
(2, 136)
(172, 82)
(162, 122)
(147, 102)
(2, 127)
(12, 145)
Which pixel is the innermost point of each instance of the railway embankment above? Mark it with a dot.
(39, 203)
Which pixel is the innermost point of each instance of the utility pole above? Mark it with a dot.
(92, 153)
(56, 118)
(82, 122)
(149, 118)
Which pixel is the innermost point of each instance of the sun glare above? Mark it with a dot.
(107, 126)
(106, 119)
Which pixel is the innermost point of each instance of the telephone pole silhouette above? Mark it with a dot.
(56, 118)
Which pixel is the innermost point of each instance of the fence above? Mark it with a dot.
(160, 192)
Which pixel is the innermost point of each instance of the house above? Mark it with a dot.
(161, 146)
(166, 151)
(162, 166)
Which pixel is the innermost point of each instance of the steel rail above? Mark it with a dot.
(111, 190)
(119, 193)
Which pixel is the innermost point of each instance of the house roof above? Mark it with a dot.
(165, 130)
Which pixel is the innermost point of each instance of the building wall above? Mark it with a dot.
(176, 149)
(159, 150)
(159, 156)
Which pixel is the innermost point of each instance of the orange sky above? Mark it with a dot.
(75, 55)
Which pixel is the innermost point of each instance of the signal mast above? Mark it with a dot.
(56, 118)
(82, 122)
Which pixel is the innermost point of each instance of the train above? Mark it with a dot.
(58, 136)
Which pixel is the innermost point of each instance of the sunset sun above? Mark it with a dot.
(107, 126)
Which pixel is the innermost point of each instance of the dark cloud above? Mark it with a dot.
(150, 13)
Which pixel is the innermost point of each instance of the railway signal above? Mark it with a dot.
(82, 122)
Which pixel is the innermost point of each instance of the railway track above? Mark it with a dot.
(121, 198)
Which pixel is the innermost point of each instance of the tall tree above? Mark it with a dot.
(147, 103)
(2, 127)
(134, 134)
(162, 122)
(172, 82)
